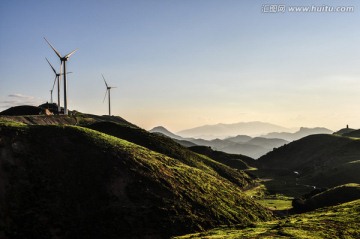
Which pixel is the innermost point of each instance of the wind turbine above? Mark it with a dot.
(57, 78)
(108, 88)
(63, 60)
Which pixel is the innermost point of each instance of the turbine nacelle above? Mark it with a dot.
(62, 58)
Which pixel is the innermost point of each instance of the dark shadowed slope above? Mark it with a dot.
(354, 134)
(22, 110)
(320, 160)
(344, 131)
(72, 182)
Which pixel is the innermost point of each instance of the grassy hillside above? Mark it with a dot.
(320, 160)
(73, 182)
(75, 118)
(354, 134)
(167, 146)
(233, 160)
(330, 197)
(334, 222)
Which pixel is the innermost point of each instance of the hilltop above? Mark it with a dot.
(344, 131)
(75, 118)
(66, 181)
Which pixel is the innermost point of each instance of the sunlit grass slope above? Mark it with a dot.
(74, 182)
(167, 146)
(340, 221)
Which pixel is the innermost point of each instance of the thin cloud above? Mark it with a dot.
(17, 99)
(21, 96)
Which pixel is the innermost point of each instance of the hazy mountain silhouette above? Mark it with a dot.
(164, 131)
(239, 139)
(241, 144)
(303, 132)
(229, 130)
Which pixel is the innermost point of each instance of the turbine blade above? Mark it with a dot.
(54, 83)
(105, 81)
(67, 73)
(51, 66)
(105, 95)
(57, 53)
(59, 78)
(68, 55)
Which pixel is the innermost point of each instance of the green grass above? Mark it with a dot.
(273, 202)
(168, 147)
(276, 202)
(334, 222)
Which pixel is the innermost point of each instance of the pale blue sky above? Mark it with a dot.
(185, 63)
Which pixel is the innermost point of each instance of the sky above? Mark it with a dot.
(186, 63)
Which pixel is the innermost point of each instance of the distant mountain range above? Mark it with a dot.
(303, 132)
(244, 144)
(225, 130)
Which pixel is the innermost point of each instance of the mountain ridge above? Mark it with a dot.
(221, 130)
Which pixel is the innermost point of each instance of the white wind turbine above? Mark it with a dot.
(57, 78)
(63, 60)
(108, 88)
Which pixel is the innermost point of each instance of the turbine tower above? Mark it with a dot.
(57, 78)
(63, 60)
(108, 88)
(51, 98)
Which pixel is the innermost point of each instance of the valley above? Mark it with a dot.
(102, 176)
